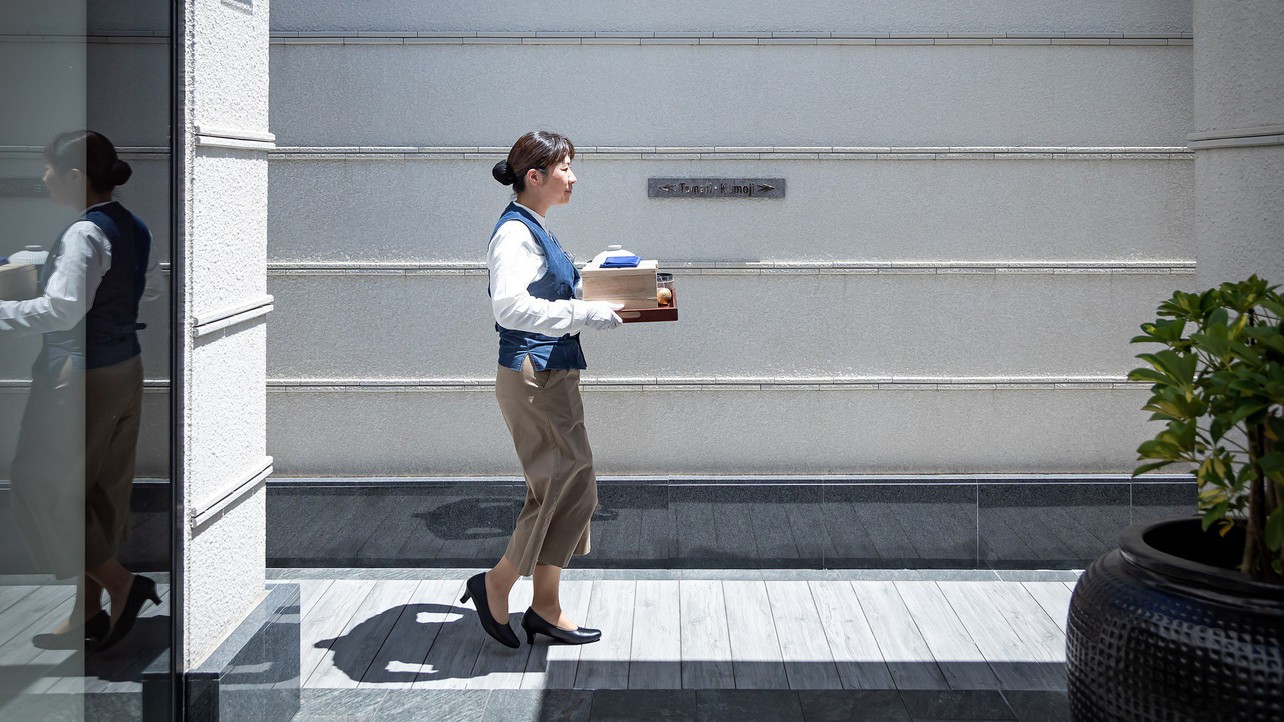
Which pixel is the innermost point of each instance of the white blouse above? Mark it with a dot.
(73, 281)
(516, 260)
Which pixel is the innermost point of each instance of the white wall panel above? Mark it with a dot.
(961, 210)
(899, 16)
(683, 432)
(229, 223)
(153, 437)
(423, 326)
(1239, 65)
(1241, 219)
(732, 95)
(129, 91)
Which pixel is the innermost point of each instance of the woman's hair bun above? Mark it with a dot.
(503, 173)
(120, 172)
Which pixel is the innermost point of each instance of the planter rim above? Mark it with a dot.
(1216, 582)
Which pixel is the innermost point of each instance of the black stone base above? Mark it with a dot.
(254, 675)
(660, 523)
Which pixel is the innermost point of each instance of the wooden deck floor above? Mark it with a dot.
(30, 609)
(694, 633)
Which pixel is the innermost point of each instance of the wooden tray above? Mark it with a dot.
(647, 315)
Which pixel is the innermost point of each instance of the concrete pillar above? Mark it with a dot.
(224, 301)
(1239, 140)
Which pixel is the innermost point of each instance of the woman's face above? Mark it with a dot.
(555, 183)
(65, 187)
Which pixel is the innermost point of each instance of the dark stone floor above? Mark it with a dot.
(674, 705)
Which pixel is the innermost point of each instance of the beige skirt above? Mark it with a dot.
(545, 417)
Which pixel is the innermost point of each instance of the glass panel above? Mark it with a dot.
(85, 508)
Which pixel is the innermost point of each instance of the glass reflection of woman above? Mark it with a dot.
(533, 288)
(74, 466)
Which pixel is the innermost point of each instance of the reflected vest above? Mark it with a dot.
(557, 284)
(108, 334)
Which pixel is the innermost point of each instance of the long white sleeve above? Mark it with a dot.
(515, 261)
(69, 292)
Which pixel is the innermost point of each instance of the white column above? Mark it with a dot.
(1239, 140)
(224, 182)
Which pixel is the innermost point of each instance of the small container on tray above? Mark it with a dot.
(639, 289)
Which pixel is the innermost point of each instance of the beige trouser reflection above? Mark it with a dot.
(545, 416)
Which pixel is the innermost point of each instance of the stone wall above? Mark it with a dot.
(984, 201)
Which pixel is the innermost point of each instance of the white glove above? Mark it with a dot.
(601, 315)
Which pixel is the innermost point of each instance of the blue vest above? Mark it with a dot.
(557, 284)
(108, 334)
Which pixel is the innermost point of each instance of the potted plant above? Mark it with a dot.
(1185, 621)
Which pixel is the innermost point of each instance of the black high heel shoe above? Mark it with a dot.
(94, 629)
(141, 590)
(535, 624)
(475, 588)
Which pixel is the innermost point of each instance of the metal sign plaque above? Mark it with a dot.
(22, 188)
(715, 188)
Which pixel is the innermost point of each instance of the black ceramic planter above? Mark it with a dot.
(1163, 629)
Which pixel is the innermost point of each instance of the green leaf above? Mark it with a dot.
(1151, 467)
(1179, 368)
(1150, 375)
(1272, 462)
(1246, 411)
(1275, 529)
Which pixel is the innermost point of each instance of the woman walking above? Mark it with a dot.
(74, 467)
(534, 288)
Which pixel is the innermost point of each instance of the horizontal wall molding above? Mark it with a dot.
(242, 487)
(741, 268)
(150, 386)
(821, 383)
(126, 37)
(765, 38)
(215, 137)
(128, 152)
(688, 153)
(228, 316)
(1237, 138)
(279, 482)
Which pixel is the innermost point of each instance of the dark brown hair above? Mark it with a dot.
(537, 149)
(93, 154)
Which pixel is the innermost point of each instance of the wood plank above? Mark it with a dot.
(310, 591)
(605, 664)
(327, 620)
(497, 666)
(857, 658)
(705, 639)
(1045, 640)
(1054, 597)
(809, 662)
(1016, 666)
(11, 595)
(449, 662)
(552, 666)
(908, 657)
(365, 632)
(402, 655)
(755, 647)
(18, 652)
(656, 658)
(24, 618)
(956, 654)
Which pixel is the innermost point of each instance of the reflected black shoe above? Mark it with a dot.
(475, 589)
(535, 624)
(141, 590)
(94, 629)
